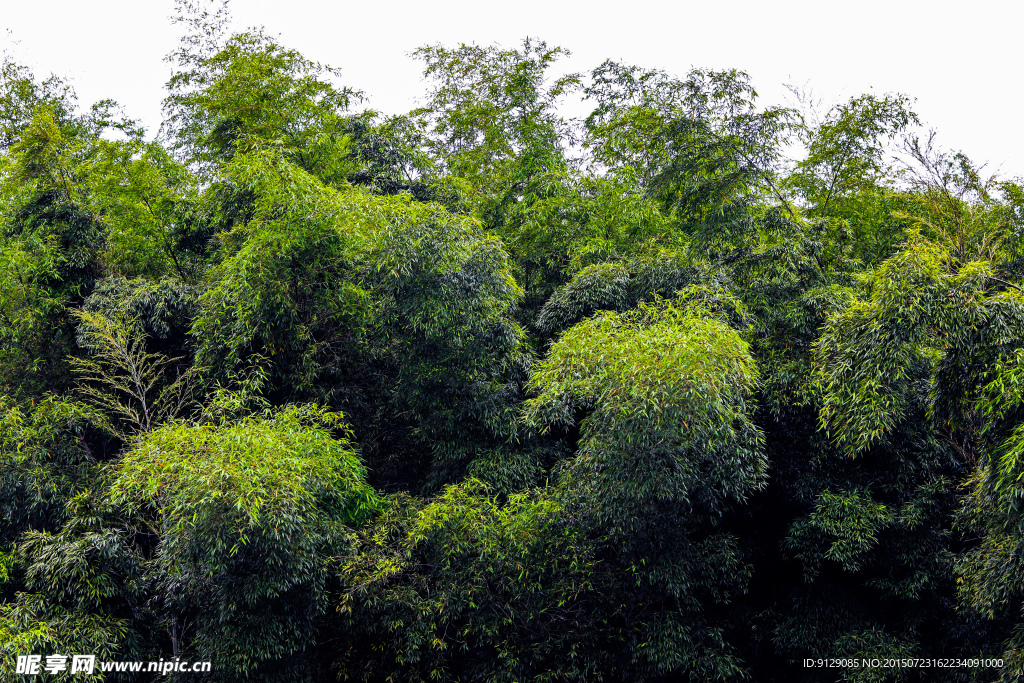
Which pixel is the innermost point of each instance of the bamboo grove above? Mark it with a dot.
(484, 393)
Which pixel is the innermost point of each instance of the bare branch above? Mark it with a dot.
(122, 380)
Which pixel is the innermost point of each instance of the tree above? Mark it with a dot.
(248, 513)
(466, 588)
(230, 93)
(661, 396)
(493, 113)
(696, 145)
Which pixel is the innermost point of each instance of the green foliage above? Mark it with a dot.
(853, 519)
(697, 144)
(49, 252)
(162, 309)
(282, 288)
(449, 292)
(630, 398)
(143, 193)
(392, 157)
(494, 116)
(565, 221)
(20, 95)
(376, 298)
(989, 573)
(955, 207)
(218, 98)
(872, 353)
(29, 312)
(666, 391)
(248, 513)
(466, 589)
(83, 589)
(619, 286)
(46, 461)
(32, 626)
(846, 149)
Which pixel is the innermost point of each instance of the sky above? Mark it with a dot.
(960, 61)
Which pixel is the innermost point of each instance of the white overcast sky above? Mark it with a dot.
(961, 61)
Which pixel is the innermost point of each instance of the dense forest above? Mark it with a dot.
(689, 389)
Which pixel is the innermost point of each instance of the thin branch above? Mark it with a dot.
(1004, 282)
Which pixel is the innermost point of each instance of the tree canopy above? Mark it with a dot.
(687, 389)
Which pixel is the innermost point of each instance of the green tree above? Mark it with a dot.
(248, 513)
(230, 92)
(465, 588)
(696, 145)
(661, 397)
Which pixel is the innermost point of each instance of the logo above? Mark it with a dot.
(34, 665)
